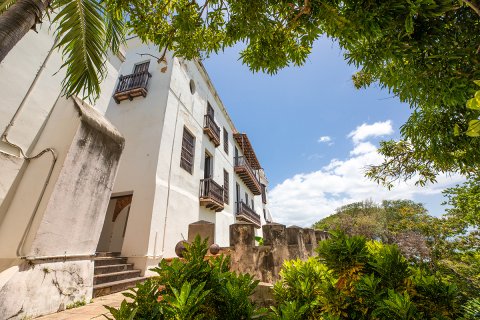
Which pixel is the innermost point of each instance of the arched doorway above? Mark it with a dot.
(116, 219)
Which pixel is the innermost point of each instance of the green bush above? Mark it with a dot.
(357, 279)
(190, 289)
(471, 310)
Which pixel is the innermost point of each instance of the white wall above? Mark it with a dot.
(165, 196)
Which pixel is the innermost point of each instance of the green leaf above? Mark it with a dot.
(473, 128)
(473, 104)
(5, 4)
(456, 130)
(477, 82)
(409, 24)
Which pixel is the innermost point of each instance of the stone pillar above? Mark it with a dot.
(310, 241)
(244, 254)
(202, 228)
(275, 236)
(242, 234)
(321, 235)
(296, 242)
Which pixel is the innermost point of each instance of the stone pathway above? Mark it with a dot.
(94, 310)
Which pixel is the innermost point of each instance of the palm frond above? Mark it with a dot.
(5, 4)
(82, 36)
(115, 26)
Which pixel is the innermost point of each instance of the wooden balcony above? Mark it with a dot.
(211, 195)
(248, 175)
(247, 214)
(211, 129)
(131, 86)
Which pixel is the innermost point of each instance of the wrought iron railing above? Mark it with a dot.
(211, 189)
(133, 81)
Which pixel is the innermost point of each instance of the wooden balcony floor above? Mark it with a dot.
(130, 94)
(213, 137)
(250, 181)
(211, 204)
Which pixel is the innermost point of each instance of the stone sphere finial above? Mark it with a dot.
(180, 248)
(214, 249)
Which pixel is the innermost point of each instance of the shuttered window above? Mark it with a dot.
(225, 140)
(226, 188)
(188, 149)
(141, 67)
(264, 194)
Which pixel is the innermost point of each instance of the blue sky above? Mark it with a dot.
(313, 132)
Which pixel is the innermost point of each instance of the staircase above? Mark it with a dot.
(112, 274)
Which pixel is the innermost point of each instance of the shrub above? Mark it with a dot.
(190, 289)
(357, 279)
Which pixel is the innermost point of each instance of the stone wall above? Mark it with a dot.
(264, 262)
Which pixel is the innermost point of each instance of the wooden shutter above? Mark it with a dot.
(141, 67)
(225, 140)
(226, 187)
(188, 149)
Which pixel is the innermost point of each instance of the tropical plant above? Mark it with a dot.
(375, 282)
(191, 288)
(471, 310)
(86, 31)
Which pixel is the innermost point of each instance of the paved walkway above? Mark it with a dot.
(94, 310)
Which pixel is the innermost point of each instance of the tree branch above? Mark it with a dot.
(475, 7)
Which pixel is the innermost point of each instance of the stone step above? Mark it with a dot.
(113, 268)
(115, 276)
(107, 254)
(108, 261)
(117, 286)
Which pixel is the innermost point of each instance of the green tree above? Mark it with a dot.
(86, 30)
(423, 51)
(401, 222)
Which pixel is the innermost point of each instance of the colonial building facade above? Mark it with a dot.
(157, 152)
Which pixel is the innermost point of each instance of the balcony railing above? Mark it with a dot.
(131, 86)
(211, 129)
(245, 213)
(211, 195)
(248, 175)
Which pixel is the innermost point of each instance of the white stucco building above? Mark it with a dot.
(67, 191)
(183, 161)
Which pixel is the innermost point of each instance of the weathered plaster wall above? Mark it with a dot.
(66, 220)
(43, 287)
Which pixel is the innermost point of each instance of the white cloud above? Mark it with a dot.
(308, 197)
(376, 129)
(324, 139)
(363, 148)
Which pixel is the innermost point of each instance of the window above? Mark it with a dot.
(226, 188)
(210, 111)
(225, 140)
(264, 194)
(246, 198)
(141, 67)
(208, 169)
(253, 206)
(188, 149)
(192, 86)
